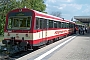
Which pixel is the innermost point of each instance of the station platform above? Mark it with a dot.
(75, 47)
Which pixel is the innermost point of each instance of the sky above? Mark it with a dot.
(68, 8)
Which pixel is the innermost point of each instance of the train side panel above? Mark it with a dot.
(42, 37)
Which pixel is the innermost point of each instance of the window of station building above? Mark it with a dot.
(55, 24)
(50, 23)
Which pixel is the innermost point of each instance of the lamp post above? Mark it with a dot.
(72, 19)
(63, 18)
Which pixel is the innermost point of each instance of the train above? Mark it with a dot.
(27, 29)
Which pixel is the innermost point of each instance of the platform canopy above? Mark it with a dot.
(83, 19)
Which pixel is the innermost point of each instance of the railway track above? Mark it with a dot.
(19, 54)
(22, 53)
(14, 56)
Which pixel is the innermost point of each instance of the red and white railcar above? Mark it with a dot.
(32, 28)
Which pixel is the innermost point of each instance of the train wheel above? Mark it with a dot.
(52, 41)
(60, 38)
(49, 42)
(55, 39)
(35, 47)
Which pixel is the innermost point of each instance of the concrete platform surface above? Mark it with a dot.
(77, 49)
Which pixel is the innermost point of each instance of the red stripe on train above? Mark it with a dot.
(42, 40)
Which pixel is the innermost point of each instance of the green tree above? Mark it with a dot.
(8, 5)
(3, 10)
(33, 4)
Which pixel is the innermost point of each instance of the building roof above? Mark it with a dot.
(83, 19)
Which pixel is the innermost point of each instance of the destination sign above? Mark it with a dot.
(20, 14)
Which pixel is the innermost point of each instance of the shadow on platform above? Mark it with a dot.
(84, 35)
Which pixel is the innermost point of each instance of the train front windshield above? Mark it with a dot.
(19, 22)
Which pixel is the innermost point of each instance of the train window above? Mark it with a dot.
(55, 24)
(59, 24)
(45, 24)
(73, 26)
(19, 22)
(67, 25)
(37, 23)
(13, 23)
(16, 22)
(23, 22)
(50, 23)
(28, 22)
(62, 24)
(41, 23)
(10, 23)
(70, 25)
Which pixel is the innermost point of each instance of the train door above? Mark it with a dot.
(38, 28)
(45, 27)
(43, 33)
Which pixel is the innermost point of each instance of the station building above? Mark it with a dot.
(84, 19)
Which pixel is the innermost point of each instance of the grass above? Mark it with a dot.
(1, 38)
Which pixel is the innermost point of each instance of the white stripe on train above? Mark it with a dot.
(35, 36)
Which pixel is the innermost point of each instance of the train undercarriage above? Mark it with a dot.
(12, 47)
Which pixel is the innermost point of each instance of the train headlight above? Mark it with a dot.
(8, 34)
(26, 35)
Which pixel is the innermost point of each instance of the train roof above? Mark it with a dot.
(40, 14)
(47, 15)
(51, 16)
